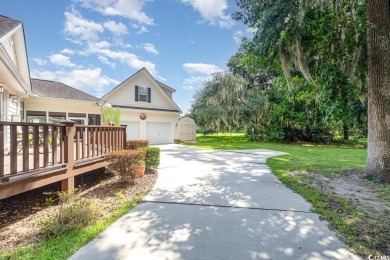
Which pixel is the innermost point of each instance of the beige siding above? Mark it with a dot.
(37, 104)
(125, 95)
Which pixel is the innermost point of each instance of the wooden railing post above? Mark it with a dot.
(124, 136)
(68, 184)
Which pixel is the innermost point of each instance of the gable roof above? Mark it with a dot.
(7, 24)
(158, 84)
(53, 89)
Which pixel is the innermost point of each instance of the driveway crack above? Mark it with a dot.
(224, 206)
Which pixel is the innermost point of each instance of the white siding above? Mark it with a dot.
(10, 48)
(125, 95)
(131, 115)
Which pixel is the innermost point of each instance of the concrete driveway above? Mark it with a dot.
(212, 204)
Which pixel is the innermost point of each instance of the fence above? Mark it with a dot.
(36, 154)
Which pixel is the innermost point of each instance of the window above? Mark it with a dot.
(143, 94)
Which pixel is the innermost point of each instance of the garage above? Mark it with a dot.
(159, 132)
(132, 130)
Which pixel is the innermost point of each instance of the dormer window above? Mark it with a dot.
(142, 94)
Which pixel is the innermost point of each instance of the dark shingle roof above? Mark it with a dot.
(7, 24)
(53, 89)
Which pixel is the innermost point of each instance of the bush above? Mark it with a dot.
(72, 213)
(135, 144)
(152, 157)
(122, 163)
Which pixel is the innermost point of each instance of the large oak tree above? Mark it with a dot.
(378, 160)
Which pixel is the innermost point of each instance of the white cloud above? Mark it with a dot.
(61, 60)
(118, 29)
(88, 80)
(79, 28)
(132, 9)
(201, 68)
(212, 11)
(141, 29)
(67, 51)
(251, 30)
(105, 61)
(40, 61)
(201, 72)
(237, 36)
(149, 47)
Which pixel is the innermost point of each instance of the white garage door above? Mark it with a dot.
(159, 133)
(132, 130)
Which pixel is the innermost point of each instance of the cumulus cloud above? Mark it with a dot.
(200, 72)
(118, 29)
(141, 29)
(212, 11)
(132, 9)
(237, 36)
(201, 68)
(67, 51)
(40, 61)
(88, 80)
(105, 61)
(61, 60)
(78, 28)
(149, 47)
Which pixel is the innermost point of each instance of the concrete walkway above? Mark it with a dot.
(212, 204)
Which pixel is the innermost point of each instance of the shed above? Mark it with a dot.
(187, 129)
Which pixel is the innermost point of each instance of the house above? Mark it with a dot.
(146, 105)
(53, 101)
(187, 129)
(147, 108)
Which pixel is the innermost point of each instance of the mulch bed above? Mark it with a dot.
(20, 215)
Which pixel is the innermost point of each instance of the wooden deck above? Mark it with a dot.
(35, 160)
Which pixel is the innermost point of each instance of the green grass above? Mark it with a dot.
(66, 244)
(327, 159)
(364, 233)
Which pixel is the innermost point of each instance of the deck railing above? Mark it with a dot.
(37, 148)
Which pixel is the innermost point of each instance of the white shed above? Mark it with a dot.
(187, 129)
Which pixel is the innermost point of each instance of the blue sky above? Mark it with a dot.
(93, 45)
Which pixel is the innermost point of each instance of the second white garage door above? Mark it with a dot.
(159, 133)
(132, 130)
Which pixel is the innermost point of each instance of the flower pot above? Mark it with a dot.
(139, 171)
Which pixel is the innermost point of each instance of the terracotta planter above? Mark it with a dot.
(139, 171)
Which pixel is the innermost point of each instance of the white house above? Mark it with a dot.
(146, 105)
(147, 108)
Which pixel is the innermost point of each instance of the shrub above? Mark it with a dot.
(152, 157)
(122, 163)
(72, 213)
(135, 144)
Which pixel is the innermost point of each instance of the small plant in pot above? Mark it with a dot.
(139, 169)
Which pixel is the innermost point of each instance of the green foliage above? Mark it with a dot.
(123, 163)
(316, 47)
(67, 243)
(72, 213)
(111, 115)
(135, 144)
(152, 158)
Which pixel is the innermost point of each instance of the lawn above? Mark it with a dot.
(313, 171)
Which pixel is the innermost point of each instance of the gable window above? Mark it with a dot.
(143, 94)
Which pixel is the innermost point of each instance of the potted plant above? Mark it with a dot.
(139, 169)
(111, 116)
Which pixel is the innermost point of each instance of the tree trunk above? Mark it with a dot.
(378, 159)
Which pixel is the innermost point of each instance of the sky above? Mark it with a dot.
(94, 45)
